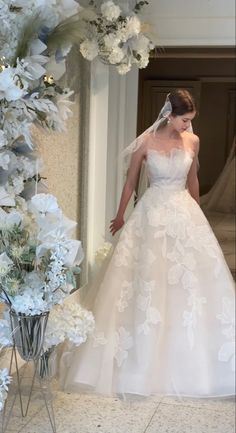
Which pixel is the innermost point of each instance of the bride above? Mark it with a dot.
(164, 310)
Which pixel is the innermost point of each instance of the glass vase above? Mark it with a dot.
(46, 367)
(28, 334)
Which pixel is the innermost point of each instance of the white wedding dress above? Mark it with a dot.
(165, 309)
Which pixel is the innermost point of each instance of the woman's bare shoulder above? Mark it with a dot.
(193, 140)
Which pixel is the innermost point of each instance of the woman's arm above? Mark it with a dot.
(128, 189)
(192, 179)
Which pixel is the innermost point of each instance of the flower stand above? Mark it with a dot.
(28, 338)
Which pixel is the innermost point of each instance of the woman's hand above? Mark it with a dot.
(116, 224)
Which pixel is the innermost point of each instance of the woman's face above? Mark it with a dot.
(181, 123)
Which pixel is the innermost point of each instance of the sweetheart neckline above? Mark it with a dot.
(168, 154)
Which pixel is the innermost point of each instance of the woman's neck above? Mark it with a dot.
(170, 133)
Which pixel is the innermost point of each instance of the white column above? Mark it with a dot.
(113, 117)
(122, 125)
(97, 159)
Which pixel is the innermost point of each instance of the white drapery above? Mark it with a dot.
(221, 197)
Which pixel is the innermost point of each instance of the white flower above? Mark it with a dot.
(5, 264)
(29, 302)
(4, 379)
(141, 44)
(89, 49)
(35, 280)
(116, 56)
(15, 184)
(10, 85)
(75, 254)
(5, 333)
(111, 41)
(143, 61)
(6, 199)
(133, 26)
(110, 11)
(65, 8)
(123, 68)
(68, 321)
(29, 167)
(4, 160)
(43, 204)
(3, 140)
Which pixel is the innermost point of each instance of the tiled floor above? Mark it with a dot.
(76, 413)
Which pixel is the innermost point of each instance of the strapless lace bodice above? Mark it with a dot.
(168, 170)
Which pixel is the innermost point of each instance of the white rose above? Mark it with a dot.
(141, 44)
(143, 62)
(116, 56)
(133, 26)
(89, 49)
(123, 68)
(110, 11)
(111, 41)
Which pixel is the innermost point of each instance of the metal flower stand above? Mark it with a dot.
(28, 336)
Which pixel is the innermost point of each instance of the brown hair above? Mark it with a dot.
(182, 102)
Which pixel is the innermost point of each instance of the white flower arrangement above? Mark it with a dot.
(38, 260)
(115, 37)
(67, 321)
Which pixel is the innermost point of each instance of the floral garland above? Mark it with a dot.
(38, 259)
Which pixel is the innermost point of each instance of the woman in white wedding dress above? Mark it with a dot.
(164, 311)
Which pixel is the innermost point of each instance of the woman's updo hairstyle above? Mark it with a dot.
(182, 102)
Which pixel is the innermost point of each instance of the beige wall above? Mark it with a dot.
(60, 155)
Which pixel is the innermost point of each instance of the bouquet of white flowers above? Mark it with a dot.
(116, 36)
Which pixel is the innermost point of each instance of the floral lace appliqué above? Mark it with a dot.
(227, 318)
(99, 339)
(190, 317)
(127, 292)
(144, 303)
(124, 342)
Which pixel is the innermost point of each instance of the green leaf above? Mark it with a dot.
(29, 32)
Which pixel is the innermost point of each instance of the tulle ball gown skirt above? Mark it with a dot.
(165, 309)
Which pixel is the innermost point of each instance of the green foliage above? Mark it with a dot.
(29, 31)
(70, 31)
